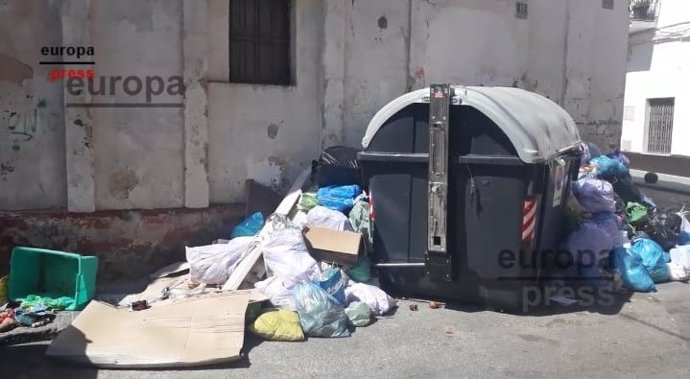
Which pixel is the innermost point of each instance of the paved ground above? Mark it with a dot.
(639, 338)
(645, 335)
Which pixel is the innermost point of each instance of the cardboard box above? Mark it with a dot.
(332, 245)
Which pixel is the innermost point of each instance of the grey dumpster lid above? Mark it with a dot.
(537, 127)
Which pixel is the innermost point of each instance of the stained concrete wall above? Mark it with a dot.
(659, 67)
(32, 133)
(573, 52)
(264, 132)
(350, 59)
(138, 151)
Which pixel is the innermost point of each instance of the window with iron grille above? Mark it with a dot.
(660, 125)
(260, 41)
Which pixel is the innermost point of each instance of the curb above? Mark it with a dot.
(670, 183)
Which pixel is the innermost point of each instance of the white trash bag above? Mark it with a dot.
(677, 272)
(212, 264)
(378, 301)
(276, 293)
(323, 217)
(286, 256)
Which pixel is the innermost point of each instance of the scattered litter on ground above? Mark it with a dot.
(305, 271)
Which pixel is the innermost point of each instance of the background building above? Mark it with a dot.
(657, 95)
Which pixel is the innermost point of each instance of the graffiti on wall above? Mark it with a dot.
(22, 126)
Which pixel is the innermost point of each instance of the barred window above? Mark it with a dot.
(260, 41)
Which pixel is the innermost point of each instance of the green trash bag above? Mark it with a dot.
(307, 201)
(359, 219)
(361, 272)
(637, 213)
(358, 313)
(57, 303)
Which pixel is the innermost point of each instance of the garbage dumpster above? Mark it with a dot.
(467, 187)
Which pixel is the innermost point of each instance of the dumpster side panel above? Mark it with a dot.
(488, 212)
(391, 192)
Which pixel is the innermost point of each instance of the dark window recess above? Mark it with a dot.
(607, 4)
(520, 10)
(660, 128)
(260, 41)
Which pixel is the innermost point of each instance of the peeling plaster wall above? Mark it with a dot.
(376, 60)
(139, 152)
(32, 133)
(350, 59)
(372, 51)
(267, 133)
(570, 51)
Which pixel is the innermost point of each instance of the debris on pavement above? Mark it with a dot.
(188, 332)
(305, 271)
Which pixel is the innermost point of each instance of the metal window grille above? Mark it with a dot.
(660, 126)
(260, 41)
(520, 10)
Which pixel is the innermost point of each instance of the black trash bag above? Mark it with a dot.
(664, 228)
(627, 190)
(337, 165)
(620, 204)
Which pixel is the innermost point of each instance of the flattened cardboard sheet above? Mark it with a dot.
(190, 332)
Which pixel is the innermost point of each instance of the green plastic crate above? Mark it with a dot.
(52, 273)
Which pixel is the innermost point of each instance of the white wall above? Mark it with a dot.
(372, 51)
(138, 151)
(659, 67)
(350, 59)
(32, 132)
(267, 133)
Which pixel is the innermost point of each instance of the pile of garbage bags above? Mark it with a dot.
(613, 221)
(308, 297)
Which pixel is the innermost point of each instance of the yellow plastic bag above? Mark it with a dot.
(3, 289)
(278, 325)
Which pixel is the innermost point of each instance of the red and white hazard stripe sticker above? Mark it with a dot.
(529, 219)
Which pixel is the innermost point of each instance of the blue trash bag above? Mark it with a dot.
(334, 283)
(620, 157)
(684, 238)
(608, 222)
(589, 244)
(249, 226)
(653, 257)
(594, 195)
(320, 314)
(340, 198)
(633, 273)
(608, 168)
